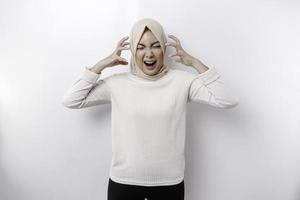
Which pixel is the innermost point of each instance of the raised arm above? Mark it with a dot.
(209, 88)
(86, 91)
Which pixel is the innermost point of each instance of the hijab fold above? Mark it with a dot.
(135, 36)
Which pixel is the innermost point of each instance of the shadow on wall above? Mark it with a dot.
(8, 190)
(239, 124)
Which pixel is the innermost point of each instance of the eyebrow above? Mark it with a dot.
(152, 43)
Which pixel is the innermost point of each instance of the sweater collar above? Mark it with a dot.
(164, 78)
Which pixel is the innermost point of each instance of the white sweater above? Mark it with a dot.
(148, 119)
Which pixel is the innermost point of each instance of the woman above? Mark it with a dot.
(148, 111)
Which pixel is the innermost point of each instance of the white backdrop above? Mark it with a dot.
(50, 152)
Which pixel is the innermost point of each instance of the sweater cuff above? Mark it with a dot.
(209, 75)
(89, 75)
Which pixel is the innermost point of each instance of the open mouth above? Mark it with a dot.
(150, 64)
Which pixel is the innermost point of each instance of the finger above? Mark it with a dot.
(123, 62)
(171, 38)
(125, 38)
(173, 44)
(122, 59)
(126, 43)
(122, 40)
(174, 38)
(172, 55)
(177, 59)
(123, 48)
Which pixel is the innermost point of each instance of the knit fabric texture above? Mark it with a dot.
(148, 118)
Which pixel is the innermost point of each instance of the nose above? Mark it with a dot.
(149, 54)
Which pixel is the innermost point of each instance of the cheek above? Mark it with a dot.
(159, 55)
(139, 57)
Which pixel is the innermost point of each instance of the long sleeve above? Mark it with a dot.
(86, 91)
(209, 88)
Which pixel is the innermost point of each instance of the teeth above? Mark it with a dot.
(148, 62)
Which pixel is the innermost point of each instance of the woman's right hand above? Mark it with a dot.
(115, 59)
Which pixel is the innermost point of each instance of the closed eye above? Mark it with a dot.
(155, 46)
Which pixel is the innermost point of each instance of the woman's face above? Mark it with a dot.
(149, 54)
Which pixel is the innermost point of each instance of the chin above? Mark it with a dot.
(150, 72)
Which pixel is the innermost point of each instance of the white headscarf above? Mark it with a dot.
(135, 35)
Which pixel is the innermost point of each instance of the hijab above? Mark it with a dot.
(135, 36)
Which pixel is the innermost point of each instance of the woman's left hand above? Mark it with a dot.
(180, 55)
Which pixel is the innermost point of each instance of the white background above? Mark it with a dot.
(50, 152)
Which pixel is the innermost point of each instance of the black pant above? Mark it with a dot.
(118, 191)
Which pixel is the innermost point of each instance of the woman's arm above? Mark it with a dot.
(209, 88)
(86, 91)
(199, 66)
